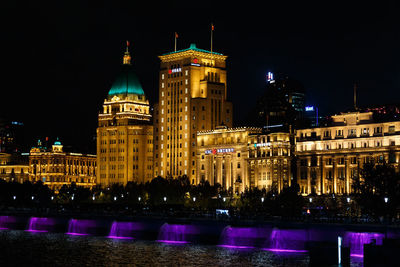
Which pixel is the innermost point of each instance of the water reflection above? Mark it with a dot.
(50, 249)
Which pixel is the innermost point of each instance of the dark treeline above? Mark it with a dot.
(377, 196)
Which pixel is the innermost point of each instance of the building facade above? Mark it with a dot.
(125, 132)
(56, 168)
(269, 161)
(329, 159)
(192, 97)
(244, 158)
(12, 169)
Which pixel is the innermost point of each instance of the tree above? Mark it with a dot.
(379, 181)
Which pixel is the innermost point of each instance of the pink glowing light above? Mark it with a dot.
(172, 241)
(75, 234)
(236, 247)
(285, 250)
(36, 231)
(357, 255)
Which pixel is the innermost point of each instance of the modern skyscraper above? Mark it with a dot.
(192, 97)
(125, 131)
(283, 103)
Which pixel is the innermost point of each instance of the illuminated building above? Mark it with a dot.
(311, 116)
(125, 132)
(282, 103)
(56, 168)
(11, 136)
(330, 158)
(244, 158)
(192, 97)
(12, 169)
(269, 161)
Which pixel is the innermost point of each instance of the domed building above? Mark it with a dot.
(125, 131)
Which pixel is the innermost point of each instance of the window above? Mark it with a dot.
(365, 131)
(378, 130)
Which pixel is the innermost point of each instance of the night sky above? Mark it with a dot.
(60, 59)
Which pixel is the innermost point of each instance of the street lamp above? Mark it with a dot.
(52, 197)
(194, 199)
(386, 199)
(262, 200)
(139, 198)
(33, 197)
(165, 199)
(14, 197)
(115, 198)
(348, 200)
(310, 199)
(224, 199)
(93, 197)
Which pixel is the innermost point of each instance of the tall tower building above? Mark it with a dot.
(125, 131)
(192, 97)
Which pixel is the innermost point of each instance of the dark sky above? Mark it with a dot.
(60, 59)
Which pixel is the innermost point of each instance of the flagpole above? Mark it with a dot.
(212, 29)
(175, 41)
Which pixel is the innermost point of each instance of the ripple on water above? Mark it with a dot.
(50, 249)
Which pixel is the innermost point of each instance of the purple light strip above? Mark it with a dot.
(1, 228)
(172, 241)
(36, 231)
(357, 255)
(75, 234)
(120, 237)
(239, 247)
(285, 250)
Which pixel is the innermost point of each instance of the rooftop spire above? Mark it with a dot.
(355, 96)
(127, 55)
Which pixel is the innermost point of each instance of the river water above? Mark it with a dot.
(21, 248)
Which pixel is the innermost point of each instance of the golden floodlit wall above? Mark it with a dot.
(330, 158)
(192, 97)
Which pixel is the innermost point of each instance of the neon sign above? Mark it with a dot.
(310, 108)
(219, 151)
(262, 144)
(174, 70)
(270, 77)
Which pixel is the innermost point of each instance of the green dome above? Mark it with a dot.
(127, 83)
